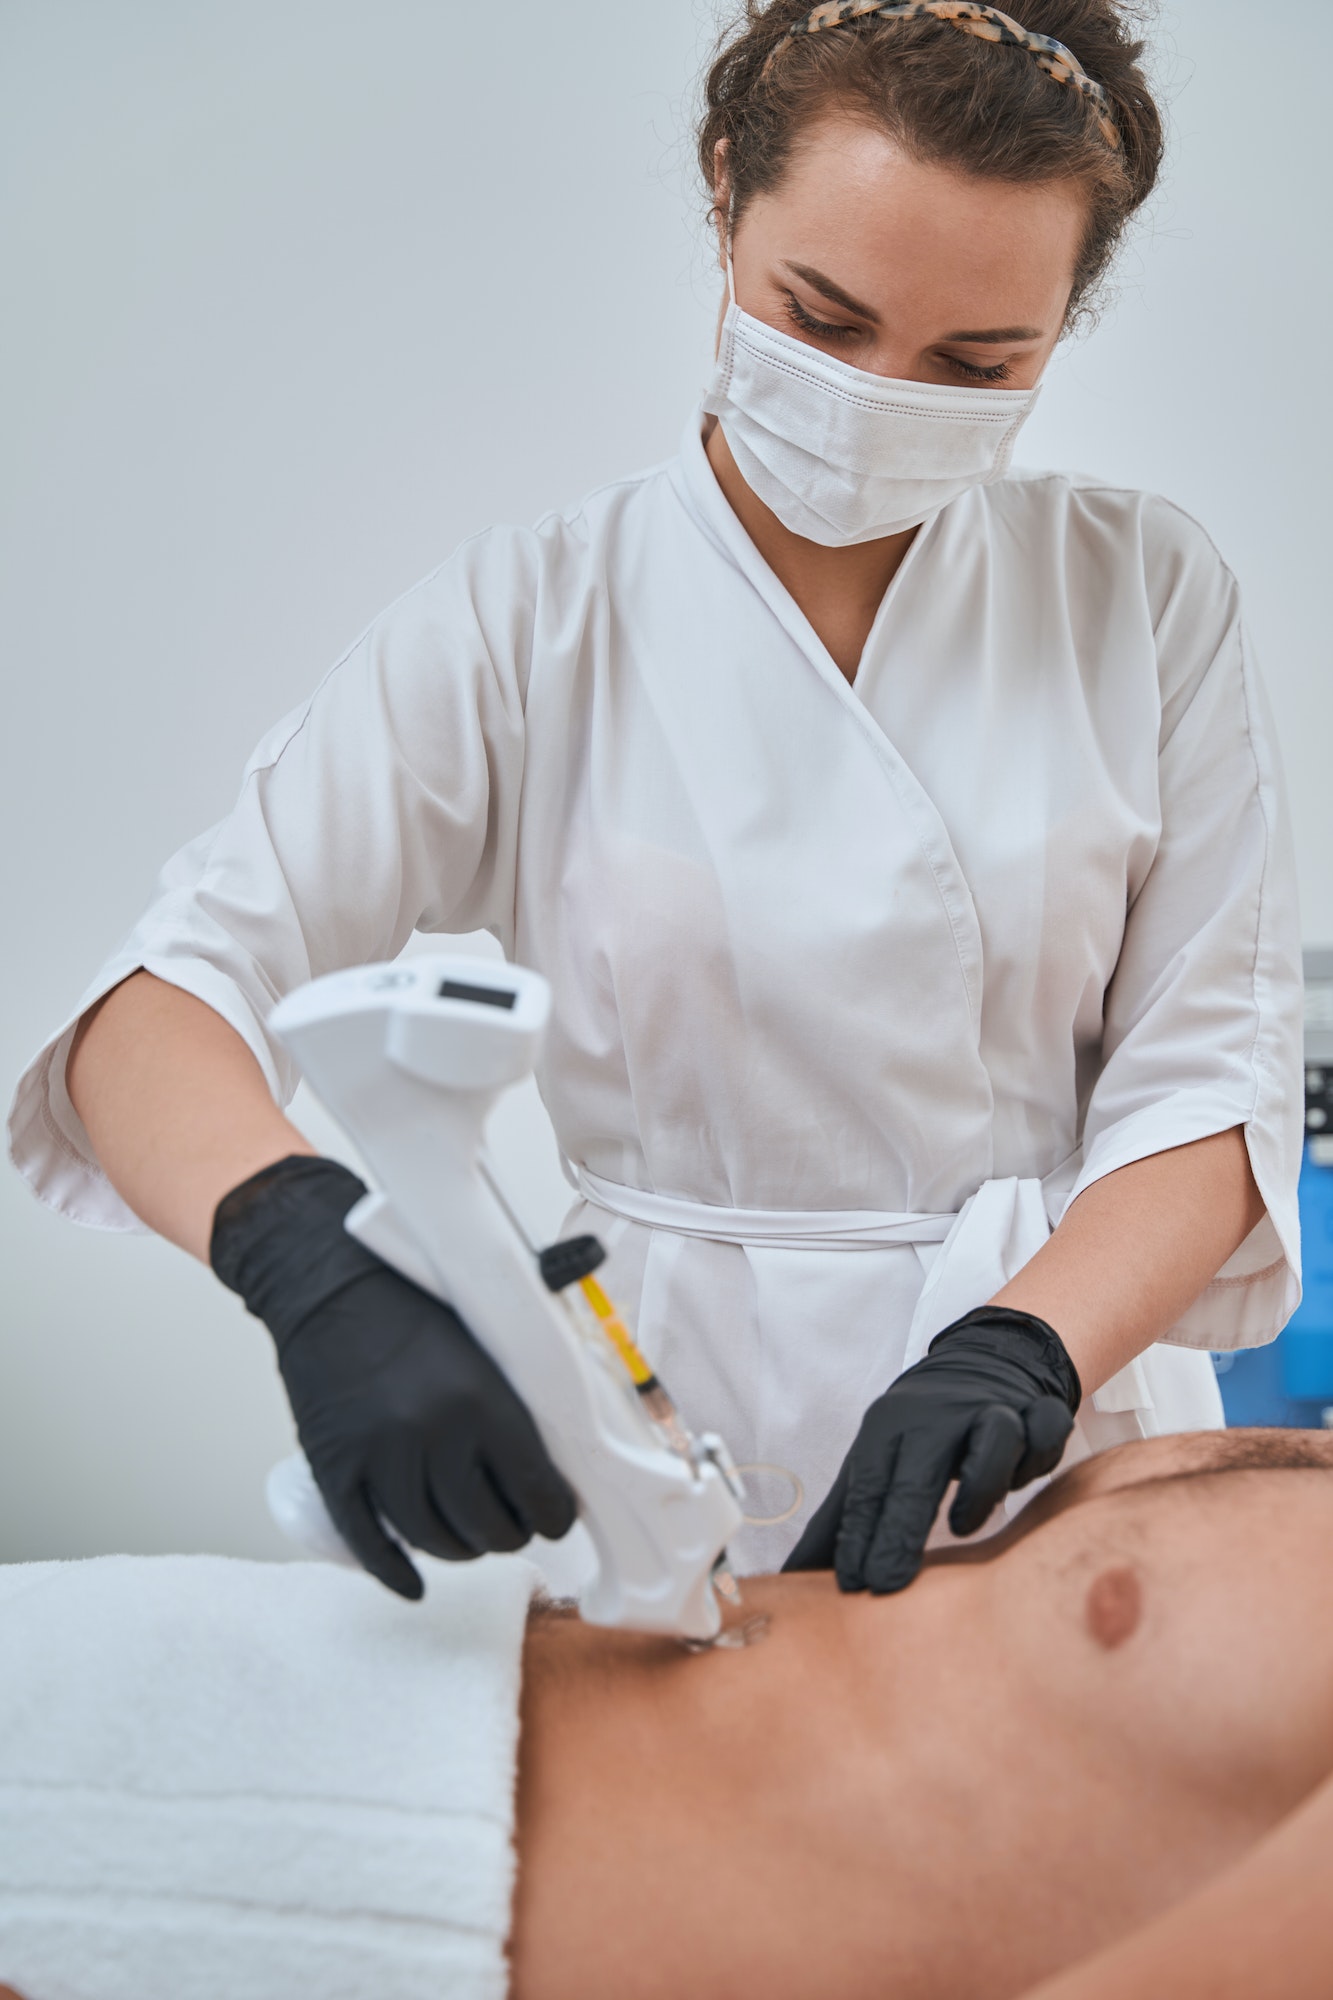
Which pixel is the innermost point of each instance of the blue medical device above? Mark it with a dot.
(1291, 1381)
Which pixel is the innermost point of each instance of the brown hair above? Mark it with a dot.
(948, 99)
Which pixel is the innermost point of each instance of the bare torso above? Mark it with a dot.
(952, 1792)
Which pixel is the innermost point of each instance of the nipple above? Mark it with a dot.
(1114, 1606)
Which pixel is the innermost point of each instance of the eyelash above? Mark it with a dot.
(999, 373)
(807, 322)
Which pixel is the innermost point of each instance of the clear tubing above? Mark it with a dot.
(782, 1472)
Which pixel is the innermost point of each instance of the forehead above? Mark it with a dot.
(858, 207)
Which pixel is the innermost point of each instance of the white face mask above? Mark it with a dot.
(842, 456)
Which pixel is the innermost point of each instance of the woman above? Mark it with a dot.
(903, 842)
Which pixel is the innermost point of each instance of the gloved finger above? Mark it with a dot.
(995, 1445)
(511, 1447)
(463, 1492)
(818, 1540)
(920, 1481)
(1047, 1423)
(536, 1494)
(400, 1490)
(357, 1522)
(870, 1470)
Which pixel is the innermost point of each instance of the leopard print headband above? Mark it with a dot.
(973, 19)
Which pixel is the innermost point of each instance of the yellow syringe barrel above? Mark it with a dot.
(649, 1390)
(619, 1335)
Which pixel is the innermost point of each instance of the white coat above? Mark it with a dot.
(855, 985)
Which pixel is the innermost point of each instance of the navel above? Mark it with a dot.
(1114, 1606)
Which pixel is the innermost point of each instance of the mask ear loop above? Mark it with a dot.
(731, 275)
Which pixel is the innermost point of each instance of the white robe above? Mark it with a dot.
(831, 963)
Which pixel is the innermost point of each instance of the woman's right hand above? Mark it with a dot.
(404, 1419)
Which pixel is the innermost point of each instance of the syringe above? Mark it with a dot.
(572, 1262)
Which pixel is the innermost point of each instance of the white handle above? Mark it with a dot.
(410, 1059)
(297, 1506)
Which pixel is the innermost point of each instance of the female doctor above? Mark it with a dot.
(902, 838)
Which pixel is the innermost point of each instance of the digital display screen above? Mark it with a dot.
(488, 996)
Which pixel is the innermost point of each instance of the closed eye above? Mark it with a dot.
(822, 329)
(999, 372)
(830, 330)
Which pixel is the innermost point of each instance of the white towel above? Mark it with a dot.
(256, 1780)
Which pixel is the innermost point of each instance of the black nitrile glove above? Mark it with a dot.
(400, 1413)
(991, 1406)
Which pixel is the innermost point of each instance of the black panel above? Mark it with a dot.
(488, 996)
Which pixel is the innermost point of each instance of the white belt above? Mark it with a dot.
(991, 1237)
(778, 1228)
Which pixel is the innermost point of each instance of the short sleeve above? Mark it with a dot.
(388, 802)
(1202, 1024)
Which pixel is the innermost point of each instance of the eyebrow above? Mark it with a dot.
(995, 336)
(834, 293)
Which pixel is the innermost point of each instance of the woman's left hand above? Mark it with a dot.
(991, 1405)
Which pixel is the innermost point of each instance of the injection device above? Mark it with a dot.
(410, 1058)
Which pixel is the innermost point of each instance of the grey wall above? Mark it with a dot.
(296, 297)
